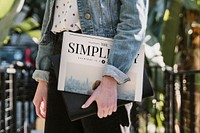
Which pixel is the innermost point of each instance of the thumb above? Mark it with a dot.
(88, 102)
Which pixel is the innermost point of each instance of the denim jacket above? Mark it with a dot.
(123, 20)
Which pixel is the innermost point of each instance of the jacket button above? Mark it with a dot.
(87, 16)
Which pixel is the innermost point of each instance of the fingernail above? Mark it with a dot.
(83, 106)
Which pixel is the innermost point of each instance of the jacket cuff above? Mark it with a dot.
(41, 75)
(118, 75)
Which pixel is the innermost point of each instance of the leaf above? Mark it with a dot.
(170, 32)
(27, 25)
(5, 6)
(34, 34)
(192, 4)
(7, 20)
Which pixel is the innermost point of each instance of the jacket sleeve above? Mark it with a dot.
(45, 47)
(43, 62)
(130, 35)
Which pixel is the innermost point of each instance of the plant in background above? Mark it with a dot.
(174, 29)
(20, 18)
(8, 11)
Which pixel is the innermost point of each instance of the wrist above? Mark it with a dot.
(109, 79)
(43, 82)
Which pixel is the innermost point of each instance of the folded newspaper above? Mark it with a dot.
(83, 58)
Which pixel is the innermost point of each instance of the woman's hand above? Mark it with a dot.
(105, 96)
(40, 99)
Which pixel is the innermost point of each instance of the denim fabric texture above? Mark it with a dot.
(123, 20)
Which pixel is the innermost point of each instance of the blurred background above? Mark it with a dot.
(172, 62)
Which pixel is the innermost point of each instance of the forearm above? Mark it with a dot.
(130, 35)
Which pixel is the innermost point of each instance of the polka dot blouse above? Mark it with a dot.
(65, 16)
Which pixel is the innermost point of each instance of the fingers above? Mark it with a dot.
(88, 102)
(105, 96)
(112, 110)
(115, 108)
(40, 99)
(104, 111)
(101, 112)
(37, 109)
(43, 109)
(40, 108)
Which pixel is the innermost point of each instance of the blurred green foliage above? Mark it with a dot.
(29, 26)
(165, 17)
(31, 14)
(5, 6)
(9, 11)
(192, 4)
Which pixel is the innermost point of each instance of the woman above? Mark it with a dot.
(122, 20)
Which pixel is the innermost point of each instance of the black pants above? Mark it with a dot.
(57, 120)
